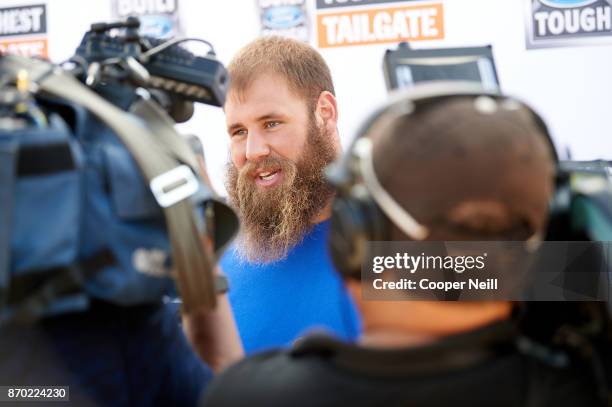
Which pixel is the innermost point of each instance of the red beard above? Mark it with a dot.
(273, 220)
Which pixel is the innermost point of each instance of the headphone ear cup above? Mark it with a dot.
(559, 219)
(376, 222)
(354, 222)
(343, 230)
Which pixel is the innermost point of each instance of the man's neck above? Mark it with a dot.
(420, 323)
(394, 339)
(388, 324)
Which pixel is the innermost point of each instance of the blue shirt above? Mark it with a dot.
(278, 302)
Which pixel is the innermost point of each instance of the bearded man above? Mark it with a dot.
(281, 117)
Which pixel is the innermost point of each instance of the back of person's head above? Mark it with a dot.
(467, 168)
(301, 66)
(460, 167)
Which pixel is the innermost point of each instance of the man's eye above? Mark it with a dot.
(240, 132)
(272, 124)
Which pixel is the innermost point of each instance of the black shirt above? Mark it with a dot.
(482, 368)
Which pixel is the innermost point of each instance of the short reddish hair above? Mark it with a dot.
(302, 66)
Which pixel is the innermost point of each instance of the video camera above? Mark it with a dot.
(100, 197)
(114, 53)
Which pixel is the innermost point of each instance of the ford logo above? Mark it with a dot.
(158, 26)
(282, 17)
(567, 3)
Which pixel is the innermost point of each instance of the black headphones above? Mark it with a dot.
(363, 210)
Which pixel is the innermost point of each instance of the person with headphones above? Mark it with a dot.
(443, 162)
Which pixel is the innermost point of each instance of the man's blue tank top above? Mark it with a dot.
(276, 303)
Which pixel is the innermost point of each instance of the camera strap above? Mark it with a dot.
(172, 181)
(221, 221)
(166, 136)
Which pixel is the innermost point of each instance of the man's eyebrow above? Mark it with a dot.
(233, 127)
(267, 116)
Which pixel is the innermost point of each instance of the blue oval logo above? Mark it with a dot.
(283, 17)
(158, 26)
(567, 3)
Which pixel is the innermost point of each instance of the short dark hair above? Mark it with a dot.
(469, 175)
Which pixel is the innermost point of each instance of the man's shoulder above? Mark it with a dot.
(230, 257)
(323, 371)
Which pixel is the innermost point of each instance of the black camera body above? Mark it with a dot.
(105, 54)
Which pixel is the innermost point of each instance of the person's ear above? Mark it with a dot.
(327, 110)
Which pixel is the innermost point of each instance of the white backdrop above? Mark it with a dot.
(571, 87)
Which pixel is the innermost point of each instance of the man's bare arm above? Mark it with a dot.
(213, 334)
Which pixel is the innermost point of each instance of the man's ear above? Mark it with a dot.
(327, 110)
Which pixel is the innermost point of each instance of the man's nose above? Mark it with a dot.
(257, 147)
